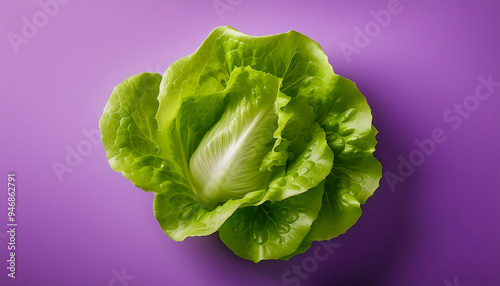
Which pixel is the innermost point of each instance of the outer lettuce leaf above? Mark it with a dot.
(271, 230)
(339, 211)
(129, 134)
(305, 244)
(356, 172)
(180, 215)
(351, 136)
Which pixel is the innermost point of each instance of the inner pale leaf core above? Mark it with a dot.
(227, 163)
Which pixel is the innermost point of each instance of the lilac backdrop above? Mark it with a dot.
(91, 226)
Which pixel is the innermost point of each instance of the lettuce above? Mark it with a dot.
(254, 137)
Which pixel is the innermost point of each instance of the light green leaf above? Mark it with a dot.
(309, 169)
(129, 133)
(271, 230)
(356, 172)
(180, 215)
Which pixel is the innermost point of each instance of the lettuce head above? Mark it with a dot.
(255, 138)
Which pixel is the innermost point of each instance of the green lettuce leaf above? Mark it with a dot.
(356, 172)
(272, 230)
(129, 134)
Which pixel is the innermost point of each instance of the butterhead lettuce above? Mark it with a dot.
(254, 137)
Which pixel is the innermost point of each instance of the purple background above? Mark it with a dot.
(439, 227)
